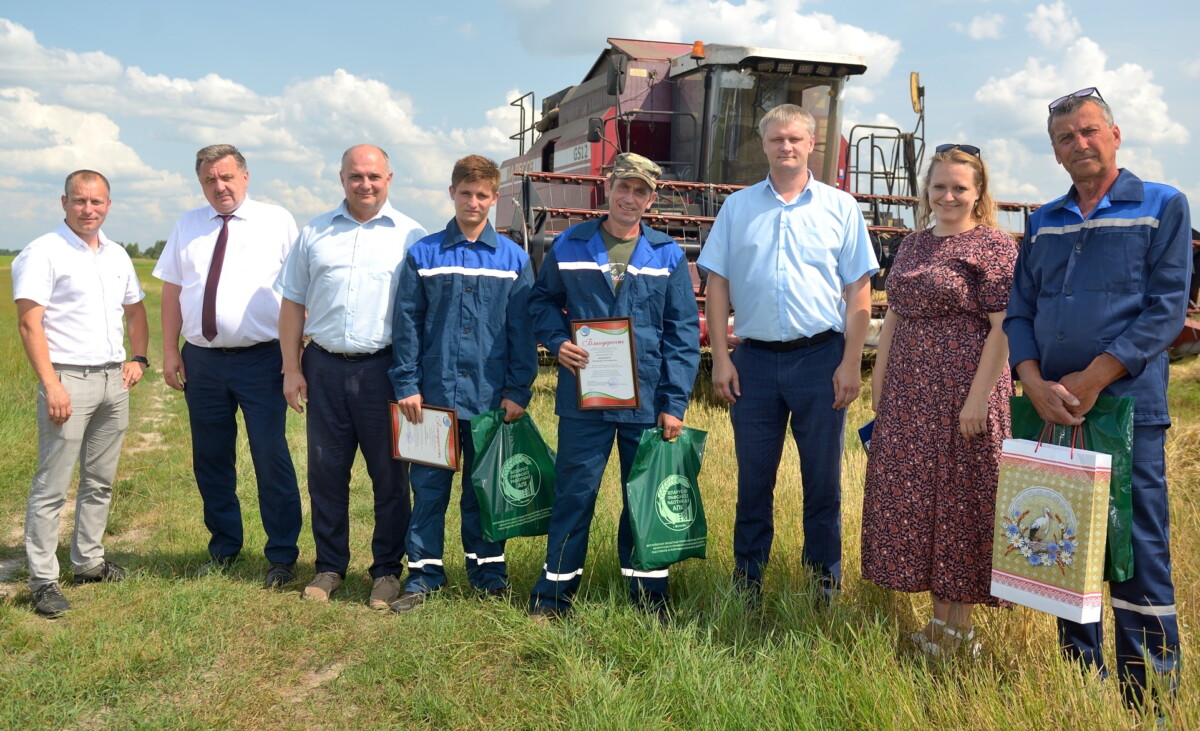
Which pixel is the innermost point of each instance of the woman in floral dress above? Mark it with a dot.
(940, 390)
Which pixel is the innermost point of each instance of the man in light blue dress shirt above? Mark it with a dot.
(338, 287)
(793, 258)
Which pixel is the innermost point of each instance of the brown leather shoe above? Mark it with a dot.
(322, 586)
(384, 591)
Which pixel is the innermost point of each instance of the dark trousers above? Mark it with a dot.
(427, 531)
(777, 387)
(218, 383)
(347, 411)
(584, 446)
(1143, 607)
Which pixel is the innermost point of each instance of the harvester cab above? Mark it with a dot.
(694, 109)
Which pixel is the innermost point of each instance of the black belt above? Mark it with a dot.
(788, 346)
(353, 357)
(256, 346)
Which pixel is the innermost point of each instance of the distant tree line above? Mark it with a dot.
(132, 249)
(152, 253)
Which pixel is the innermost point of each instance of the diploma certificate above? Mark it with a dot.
(433, 442)
(609, 381)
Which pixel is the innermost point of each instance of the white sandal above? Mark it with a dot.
(922, 641)
(962, 643)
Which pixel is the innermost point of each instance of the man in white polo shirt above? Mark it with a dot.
(72, 287)
(217, 270)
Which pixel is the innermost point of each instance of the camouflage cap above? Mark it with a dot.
(631, 165)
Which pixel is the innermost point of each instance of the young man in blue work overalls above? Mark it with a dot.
(461, 340)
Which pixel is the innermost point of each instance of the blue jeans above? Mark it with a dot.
(347, 411)
(775, 387)
(220, 382)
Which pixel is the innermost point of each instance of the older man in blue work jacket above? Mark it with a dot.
(1099, 292)
(613, 267)
(793, 257)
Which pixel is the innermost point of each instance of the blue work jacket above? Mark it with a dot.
(461, 334)
(574, 284)
(1115, 282)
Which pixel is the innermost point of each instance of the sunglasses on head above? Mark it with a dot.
(1081, 94)
(969, 149)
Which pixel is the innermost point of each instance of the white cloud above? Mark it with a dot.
(1011, 166)
(292, 141)
(1053, 25)
(24, 61)
(770, 23)
(55, 139)
(982, 27)
(1016, 104)
(1191, 69)
(1013, 109)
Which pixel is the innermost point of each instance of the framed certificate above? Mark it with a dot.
(609, 381)
(433, 442)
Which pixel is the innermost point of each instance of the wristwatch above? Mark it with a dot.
(140, 359)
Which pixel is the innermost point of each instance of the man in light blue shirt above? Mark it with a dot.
(338, 287)
(793, 257)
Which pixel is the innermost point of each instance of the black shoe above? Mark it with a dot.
(500, 593)
(543, 616)
(829, 588)
(48, 601)
(280, 574)
(408, 602)
(654, 607)
(107, 571)
(749, 589)
(216, 566)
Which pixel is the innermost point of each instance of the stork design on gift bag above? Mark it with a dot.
(1048, 539)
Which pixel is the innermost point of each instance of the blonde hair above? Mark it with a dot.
(984, 210)
(786, 114)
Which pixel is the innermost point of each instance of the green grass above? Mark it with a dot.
(164, 650)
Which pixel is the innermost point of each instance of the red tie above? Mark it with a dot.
(208, 313)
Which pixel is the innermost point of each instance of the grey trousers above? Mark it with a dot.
(92, 435)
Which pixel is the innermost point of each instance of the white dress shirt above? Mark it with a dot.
(345, 273)
(84, 293)
(247, 308)
(788, 262)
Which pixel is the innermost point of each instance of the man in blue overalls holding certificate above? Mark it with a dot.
(609, 269)
(462, 341)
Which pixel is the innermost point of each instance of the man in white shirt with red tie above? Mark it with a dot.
(218, 268)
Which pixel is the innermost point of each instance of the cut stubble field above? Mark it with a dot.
(166, 650)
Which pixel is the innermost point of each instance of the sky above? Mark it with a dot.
(133, 89)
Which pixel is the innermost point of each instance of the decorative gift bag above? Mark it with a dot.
(1051, 520)
(513, 476)
(665, 512)
(1108, 428)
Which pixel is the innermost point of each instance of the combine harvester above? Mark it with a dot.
(694, 109)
